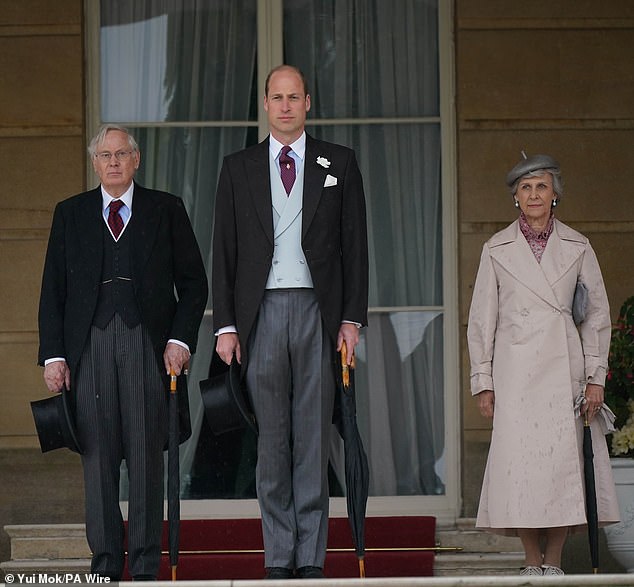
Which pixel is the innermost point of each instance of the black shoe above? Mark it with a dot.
(144, 578)
(310, 573)
(278, 573)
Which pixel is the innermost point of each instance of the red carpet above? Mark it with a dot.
(232, 549)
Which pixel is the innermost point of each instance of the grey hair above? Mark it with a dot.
(558, 183)
(100, 137)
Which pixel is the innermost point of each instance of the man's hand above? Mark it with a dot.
(227, 345)
(55, 375)
(350, 334)
(486, 403)
(176, 358)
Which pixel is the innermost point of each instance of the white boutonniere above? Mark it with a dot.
(323, 162)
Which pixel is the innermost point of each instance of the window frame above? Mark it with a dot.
(446, 508)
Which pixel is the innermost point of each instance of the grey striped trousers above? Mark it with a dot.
(290, 380)
(122, 414)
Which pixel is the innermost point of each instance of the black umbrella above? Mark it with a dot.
(173, 477)
(356, 461)
(591, 495)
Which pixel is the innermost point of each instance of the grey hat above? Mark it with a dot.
(528, 164)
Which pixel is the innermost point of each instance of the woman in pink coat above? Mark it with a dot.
(530, 362)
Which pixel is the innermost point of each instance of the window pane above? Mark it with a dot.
(174, 60)
(400, 414)
(169, 60)
(186, 162)
(400, 403)
(400, 164)
(369, 58)
(214, 467)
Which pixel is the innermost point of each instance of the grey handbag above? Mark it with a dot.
(579, 303)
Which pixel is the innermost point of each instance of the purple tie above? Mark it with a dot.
(287, 169)
(115, 222)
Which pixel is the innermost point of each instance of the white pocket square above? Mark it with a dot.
(330, 181)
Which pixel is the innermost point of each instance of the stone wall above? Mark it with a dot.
(550, 77)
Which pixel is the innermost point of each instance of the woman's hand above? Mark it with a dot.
(594, 400)
(486, 403)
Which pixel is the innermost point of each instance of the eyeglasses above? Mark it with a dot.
(119, 156)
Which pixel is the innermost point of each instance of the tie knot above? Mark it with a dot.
(115, 206)
(285, 151)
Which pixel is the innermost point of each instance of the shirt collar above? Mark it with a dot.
(126, 198)
(531, 234)
(298, 147)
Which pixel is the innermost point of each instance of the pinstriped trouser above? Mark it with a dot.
(290, 378)
(122, 414)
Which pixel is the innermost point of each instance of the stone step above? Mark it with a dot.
(34, 567)
(48, 541)
(62, 548)
(477, 564)
(465, 536)
(69, 541)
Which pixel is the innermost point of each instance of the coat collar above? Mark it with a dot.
(314, 177)
(89, 227)
(144, 225)
(258, 179)
(510, 249)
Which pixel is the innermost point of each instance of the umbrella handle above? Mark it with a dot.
(172, 381)
(345, 369)
(345, 373)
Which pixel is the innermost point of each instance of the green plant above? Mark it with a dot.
(619, 384)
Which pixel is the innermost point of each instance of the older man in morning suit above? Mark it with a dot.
(290, 285)
(111, 329)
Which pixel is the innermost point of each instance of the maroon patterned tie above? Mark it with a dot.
(115, 222)
(287, 169)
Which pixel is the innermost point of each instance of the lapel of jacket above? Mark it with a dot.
(510, 249)
(257, 172)
(314, 177)
(564, 247)
(144, 225)
(90, 226)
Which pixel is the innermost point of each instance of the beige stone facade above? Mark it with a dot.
(553, 77)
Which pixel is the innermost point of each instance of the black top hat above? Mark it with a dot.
(55, 423)
(225, 400)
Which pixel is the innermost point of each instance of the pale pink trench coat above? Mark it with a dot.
(524, 345)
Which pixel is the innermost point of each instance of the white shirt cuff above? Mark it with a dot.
(226, 330)
(179, 343)
(53, 360)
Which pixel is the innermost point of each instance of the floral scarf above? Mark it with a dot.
(537, 241)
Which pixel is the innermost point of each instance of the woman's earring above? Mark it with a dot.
(517, 204)
(554, 204)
